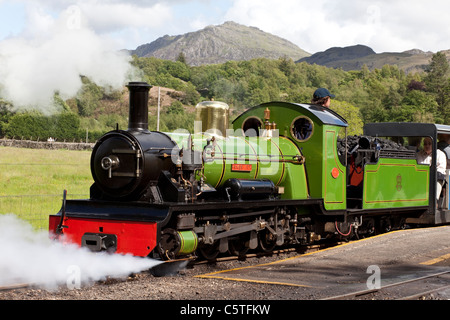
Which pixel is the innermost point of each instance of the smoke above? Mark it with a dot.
(29, 256)
(50, 55)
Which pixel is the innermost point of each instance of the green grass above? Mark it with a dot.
(32, 181)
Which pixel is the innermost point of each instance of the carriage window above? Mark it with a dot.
(251, 126)
(302, 128)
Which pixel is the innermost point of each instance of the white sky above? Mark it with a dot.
(383, 25)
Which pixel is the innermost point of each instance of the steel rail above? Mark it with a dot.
(361, 293)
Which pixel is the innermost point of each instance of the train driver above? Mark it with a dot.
(322, 97)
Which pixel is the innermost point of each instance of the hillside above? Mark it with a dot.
(219, 44)
(354, 57)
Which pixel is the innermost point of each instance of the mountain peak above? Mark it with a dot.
(220, 43)
(417, 51)
(339, 53)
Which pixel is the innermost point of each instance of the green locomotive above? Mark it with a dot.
(277, 177)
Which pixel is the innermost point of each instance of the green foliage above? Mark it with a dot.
(351, 114)
(163, 73)
(34, 125)
(88, 98)
(438, 83)
(64, 126)
(175, 108)
(170, 121)
(191, 97)
(181, 58)
(362, 96)
(27, 124)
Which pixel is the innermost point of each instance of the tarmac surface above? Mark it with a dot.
(355, 266)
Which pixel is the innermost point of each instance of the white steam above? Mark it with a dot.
(50, 55)
(29, 256)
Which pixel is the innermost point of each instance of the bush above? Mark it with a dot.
(34, 125)
(29, 125)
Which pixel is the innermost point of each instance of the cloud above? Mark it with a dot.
(125, 21)
(321, 24)
(50, 55)
(107, 16)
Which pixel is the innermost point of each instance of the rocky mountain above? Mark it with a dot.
(232, 41)
(221, 43)
(354, 57)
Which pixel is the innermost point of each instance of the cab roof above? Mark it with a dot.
(322, 114)
(405, 129)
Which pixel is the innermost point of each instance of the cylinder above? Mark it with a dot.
(138, 109)
(188, 242)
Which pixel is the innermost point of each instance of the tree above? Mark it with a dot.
(286, 65)
(417, 85)
(176, 69)
(350, 113)
(417, 106)
(437, 80)
(175, 108)
(446, 103)
(181, 58)
(88, 98)
(191, 96)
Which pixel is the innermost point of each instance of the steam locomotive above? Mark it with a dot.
(285, 173)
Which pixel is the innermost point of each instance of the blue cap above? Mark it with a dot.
(322, 93)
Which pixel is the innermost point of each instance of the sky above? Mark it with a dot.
(383, 25)
(45, 45)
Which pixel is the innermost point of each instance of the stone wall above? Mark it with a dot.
(45, 144)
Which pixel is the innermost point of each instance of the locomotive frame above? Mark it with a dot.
(276, 178)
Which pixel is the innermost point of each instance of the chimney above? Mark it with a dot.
(138, 112)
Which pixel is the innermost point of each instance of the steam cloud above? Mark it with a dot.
(28, 256)
(51, 54)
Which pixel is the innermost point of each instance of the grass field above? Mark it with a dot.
(32, 181)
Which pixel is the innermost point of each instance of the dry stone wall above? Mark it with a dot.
(45, 144)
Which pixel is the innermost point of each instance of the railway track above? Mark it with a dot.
(404, 290)
(14, 286)
(411, 289)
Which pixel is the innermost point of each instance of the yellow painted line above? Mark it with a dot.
(436, 260)
(255, 281)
